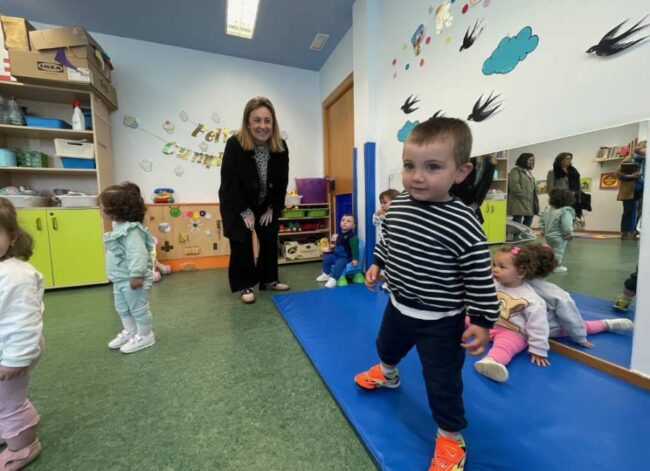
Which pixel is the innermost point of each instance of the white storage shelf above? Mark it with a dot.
(52, 101)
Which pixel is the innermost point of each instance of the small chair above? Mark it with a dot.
(355, 273)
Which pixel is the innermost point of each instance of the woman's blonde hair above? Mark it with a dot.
(244, 135)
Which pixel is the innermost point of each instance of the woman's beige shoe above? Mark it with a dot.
(247, 296)
(275, 286)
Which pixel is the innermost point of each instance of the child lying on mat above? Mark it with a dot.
(524, 319)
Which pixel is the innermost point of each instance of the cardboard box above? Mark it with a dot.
(77, 42)
(42, 68)
(16, 32)
(53, 38)
(296, 251)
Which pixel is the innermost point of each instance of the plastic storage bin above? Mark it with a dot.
(77, 201)
(72, 148)
(317, 212)
(7, 158)
(27, 201)
(77, 162)
(30, 158)
(313, 190)
(292, 213)
(41, 122)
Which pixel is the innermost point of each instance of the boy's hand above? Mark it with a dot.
(481, 338)
(354, 263)
(9, 372)
(567, 237)
(539, 361)
(136, 282)
(379, 212)
(371, 277)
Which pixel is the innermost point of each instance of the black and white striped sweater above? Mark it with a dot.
(436, 261)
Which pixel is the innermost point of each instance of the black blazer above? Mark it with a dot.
(240, 186)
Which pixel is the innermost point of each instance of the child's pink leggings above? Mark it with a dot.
(17, 413)
(507, 343)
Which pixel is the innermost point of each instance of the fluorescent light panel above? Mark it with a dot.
(319, 41)
(240, 18)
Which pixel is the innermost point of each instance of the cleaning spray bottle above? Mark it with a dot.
(78, 120)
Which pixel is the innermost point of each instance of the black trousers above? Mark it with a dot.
(243, 272)
(438, 346)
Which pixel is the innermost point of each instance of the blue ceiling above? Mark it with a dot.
(284, 31)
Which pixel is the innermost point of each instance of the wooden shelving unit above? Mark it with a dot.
(302, 237)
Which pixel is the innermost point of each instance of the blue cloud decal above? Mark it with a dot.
(510, 52)
(403, 133)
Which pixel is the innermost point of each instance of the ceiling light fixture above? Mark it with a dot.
(240, 18)
(319, 41)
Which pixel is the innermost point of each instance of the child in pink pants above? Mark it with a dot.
(21, 341)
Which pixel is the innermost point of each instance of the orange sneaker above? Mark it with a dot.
(374, 378)
(449, 455)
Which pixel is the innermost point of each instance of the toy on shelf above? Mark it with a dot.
(159, 268)
(163, 195)
(292, 198)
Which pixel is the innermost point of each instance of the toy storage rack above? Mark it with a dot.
(309, 236)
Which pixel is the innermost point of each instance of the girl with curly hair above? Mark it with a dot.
(129, 265)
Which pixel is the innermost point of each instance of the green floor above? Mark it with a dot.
(227, 387)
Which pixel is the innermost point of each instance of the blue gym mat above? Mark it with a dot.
(565, 416)
(615, 347)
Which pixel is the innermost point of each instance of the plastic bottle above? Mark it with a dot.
(78, 119)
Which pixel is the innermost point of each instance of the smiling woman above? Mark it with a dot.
(254, 178)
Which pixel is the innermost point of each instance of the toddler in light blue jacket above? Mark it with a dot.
(557, 223)
(129, 265)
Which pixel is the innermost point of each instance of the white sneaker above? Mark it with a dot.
(323, 277)
(331, 283)
(619, 325)
(560, 269)
(120, 339)
(138, 342)
(492, 369)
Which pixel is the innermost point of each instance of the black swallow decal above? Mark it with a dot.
(471, 36)
(407, 107)
(483, 111)
(438, 114)
(610, 44)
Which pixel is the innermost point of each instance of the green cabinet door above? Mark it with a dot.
(494, 221)
(34, 221)
(77, 246)
(497, 222)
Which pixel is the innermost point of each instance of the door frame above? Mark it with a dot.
(343, 87)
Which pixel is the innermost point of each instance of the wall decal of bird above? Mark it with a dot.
(471, 36)
(611, 44)
(483, 111)
(407, 107)
(438, 114)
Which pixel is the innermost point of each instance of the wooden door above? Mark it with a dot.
(338, 138)
(35, 223)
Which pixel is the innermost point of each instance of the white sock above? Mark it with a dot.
(455, 435)
(144, 330)
(388, 372)
(128, 323)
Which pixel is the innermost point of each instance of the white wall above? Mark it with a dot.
(338, 66)
(557, 91)
(156, 82)
(607, 211)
